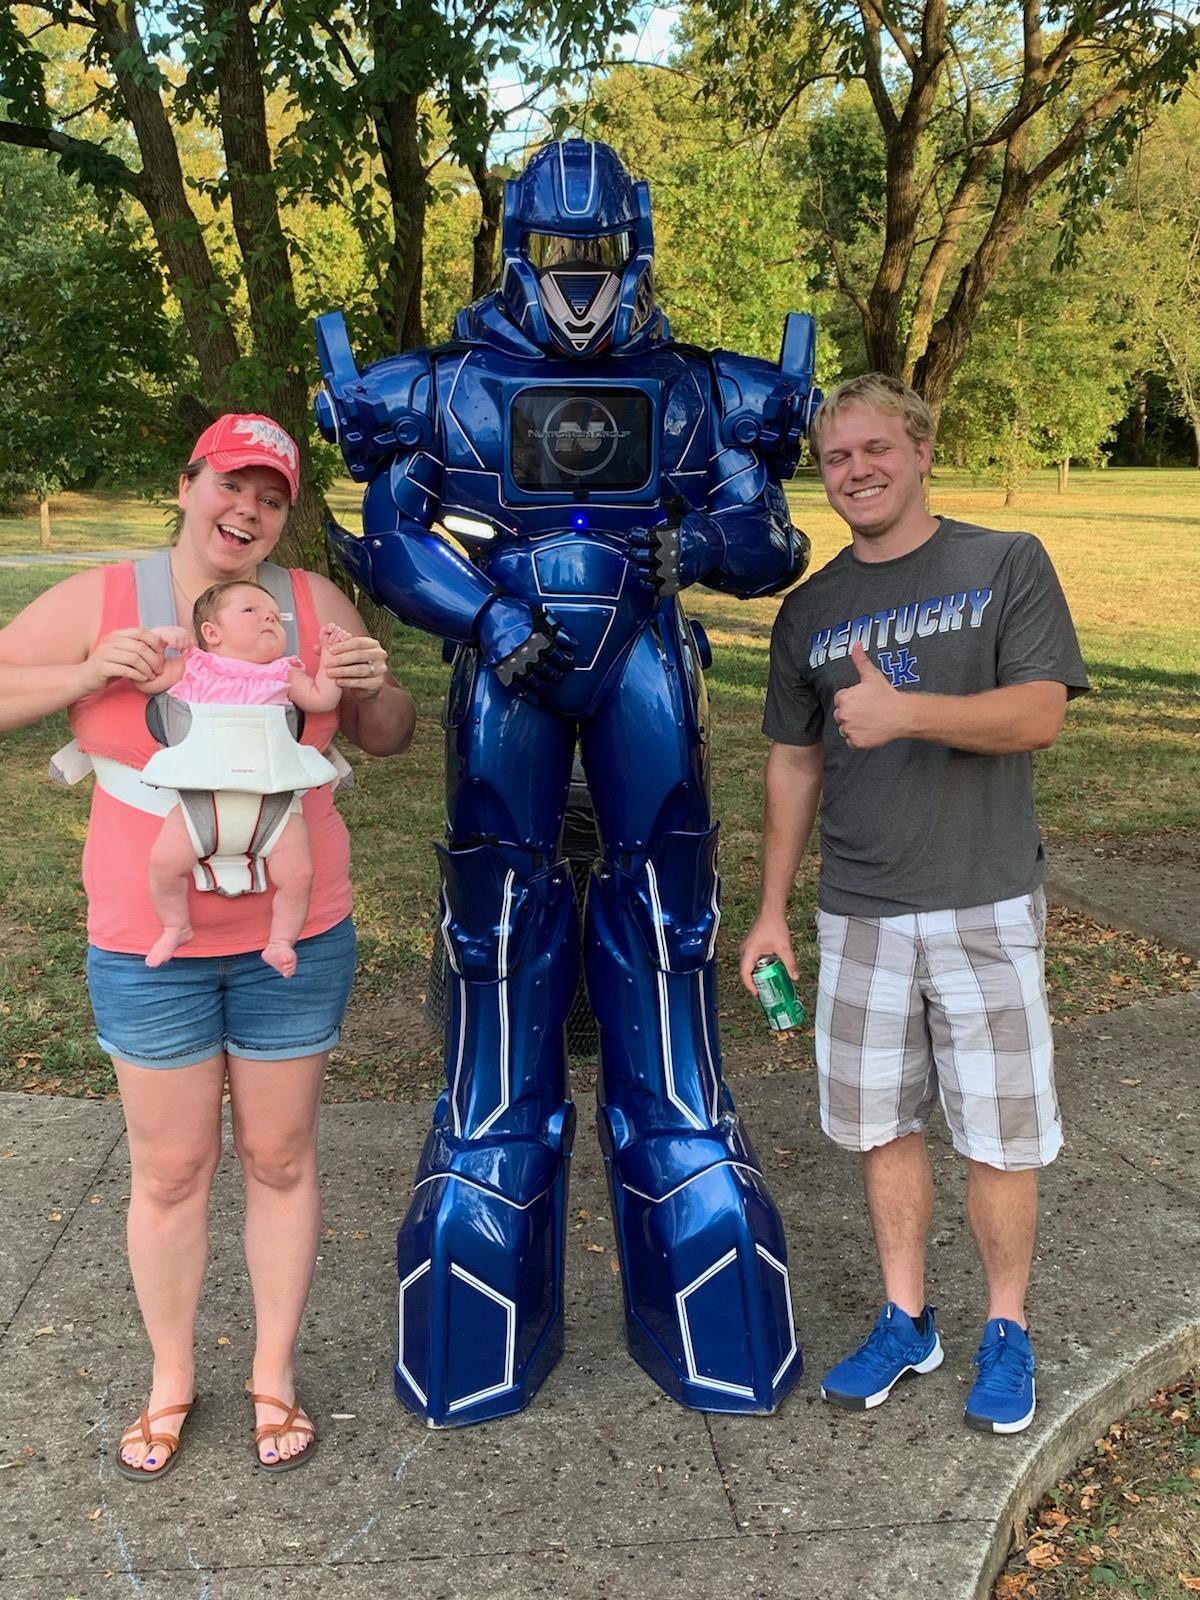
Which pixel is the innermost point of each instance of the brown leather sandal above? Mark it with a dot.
(141, 1429)
(288, 1425)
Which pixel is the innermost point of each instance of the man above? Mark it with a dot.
(910, 680)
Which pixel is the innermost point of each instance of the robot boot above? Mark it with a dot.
(480, 1252)
(704, 1262)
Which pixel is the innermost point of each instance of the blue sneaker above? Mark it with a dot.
(1003, 1399)
(894, 1348)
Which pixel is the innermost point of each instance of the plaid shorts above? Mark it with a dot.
(939, 1003)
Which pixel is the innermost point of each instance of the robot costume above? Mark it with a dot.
(591, 469)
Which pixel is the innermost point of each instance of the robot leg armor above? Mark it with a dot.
(704, 1262)
(480, 1252)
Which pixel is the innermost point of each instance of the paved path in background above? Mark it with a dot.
(74, 558)
(1150, 886)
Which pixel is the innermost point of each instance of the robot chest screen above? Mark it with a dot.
(581, 438)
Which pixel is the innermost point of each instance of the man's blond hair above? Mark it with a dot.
(880, 393)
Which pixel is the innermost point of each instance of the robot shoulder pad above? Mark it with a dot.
(390, 410)
(761, 408)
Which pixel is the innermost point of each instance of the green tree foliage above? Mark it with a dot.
(1154, 239)
(978, 110)
(731, 259)
(90, 359)
(365, 89)
(1046, 378)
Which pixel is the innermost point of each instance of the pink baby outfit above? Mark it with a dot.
(222, 681)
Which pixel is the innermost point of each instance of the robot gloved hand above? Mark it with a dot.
(523, 644)
(675, 555)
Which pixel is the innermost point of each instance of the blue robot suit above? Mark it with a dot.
(590, 468)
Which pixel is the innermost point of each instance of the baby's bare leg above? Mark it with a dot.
(291, 872)
(172, 858)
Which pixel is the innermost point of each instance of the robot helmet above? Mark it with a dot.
(579, 252)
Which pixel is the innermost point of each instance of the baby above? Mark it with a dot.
(238, 660)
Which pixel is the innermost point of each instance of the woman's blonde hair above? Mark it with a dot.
(881, 393)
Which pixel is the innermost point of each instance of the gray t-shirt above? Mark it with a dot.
(915, 826)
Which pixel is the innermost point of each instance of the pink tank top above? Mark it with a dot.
(221, 680)
(117, 851)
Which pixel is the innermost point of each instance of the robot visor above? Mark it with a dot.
(607, 250)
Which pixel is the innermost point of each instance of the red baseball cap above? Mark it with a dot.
(250, 441)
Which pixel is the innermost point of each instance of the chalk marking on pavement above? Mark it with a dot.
(205, 1575)
(116, 1532)
(397, 1475)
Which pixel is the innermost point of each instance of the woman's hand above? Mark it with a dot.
(134, 653)
(356, 663)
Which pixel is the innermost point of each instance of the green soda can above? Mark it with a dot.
(777, 994)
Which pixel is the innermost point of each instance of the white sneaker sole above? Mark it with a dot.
(865, 1402)
(988, 1425)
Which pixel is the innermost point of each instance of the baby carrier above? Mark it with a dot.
(237, 771)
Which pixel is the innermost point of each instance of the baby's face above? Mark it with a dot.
(248, 627)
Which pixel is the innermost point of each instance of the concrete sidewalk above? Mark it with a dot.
(604, 1488)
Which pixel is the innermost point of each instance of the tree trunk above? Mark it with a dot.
(483, 257)
(951, 333)
(1139, 418)
(44, 521)
(1064, 467)
(1196, 436)
(400, 146)
(202, 294)
(280, 337)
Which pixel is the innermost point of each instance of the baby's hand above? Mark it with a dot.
(173, 638)
(331, 634)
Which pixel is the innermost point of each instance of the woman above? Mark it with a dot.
(177, 1032)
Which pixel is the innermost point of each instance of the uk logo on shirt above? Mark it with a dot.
(899, 666)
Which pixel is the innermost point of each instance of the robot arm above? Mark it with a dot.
(744, 541)
(761, 418)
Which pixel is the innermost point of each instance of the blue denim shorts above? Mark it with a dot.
(196, 1007)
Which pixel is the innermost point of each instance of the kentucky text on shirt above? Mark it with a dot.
(898, 624)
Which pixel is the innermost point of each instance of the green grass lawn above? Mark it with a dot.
(1128, 763)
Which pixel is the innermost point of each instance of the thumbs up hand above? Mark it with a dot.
(870, 712)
